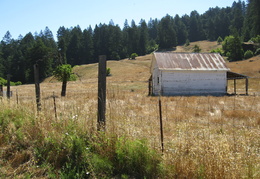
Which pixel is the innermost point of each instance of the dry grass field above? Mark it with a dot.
(205, 46)
(204, 136)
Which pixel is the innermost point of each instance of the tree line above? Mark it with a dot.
(75, 46)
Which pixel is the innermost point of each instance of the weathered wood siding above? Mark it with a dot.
(156, 80)
(193, 83)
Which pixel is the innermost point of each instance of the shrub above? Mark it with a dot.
(232, 47)
(3, 81)
(256, 39)
(248, 54)
(218, 50)
(187, 42)
(135, 159)
(108, 72)
(196, 49)
(257, 52)
(219, 40)
(18, 83)
(152, 46)
(115, 56)
(134, 55)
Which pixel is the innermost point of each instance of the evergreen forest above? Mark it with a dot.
(76, 46)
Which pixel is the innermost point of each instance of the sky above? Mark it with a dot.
(20, 17)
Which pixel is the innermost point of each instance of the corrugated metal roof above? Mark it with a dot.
(190, 61)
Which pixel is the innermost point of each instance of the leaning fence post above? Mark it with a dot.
(37, 87)
(161, 124)
(102, 93)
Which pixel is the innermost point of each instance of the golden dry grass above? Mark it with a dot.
(250, 67)
(205, 46)
(204, 136)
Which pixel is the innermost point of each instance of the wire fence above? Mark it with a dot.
(130, 111)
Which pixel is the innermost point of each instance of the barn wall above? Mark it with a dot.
(193, 83)
(156, 80)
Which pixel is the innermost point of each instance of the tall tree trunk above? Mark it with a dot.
(64, 86)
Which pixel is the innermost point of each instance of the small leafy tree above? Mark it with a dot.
(219, 40)
(232, 47)
(63, 73)
(248, 54)
(134, 55)
(196, 49)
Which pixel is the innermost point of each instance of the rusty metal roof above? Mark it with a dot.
(190, 61)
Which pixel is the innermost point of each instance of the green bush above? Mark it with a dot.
(218, 50)
(108, 72)
(135, 159)
(152, 46)
(257, 52)
(187, 43)
(232, 48)
(219, 40)
(4, 82)
(68, 151)
(134, 55)
(256, 39)
(248, 54)
(196, 49)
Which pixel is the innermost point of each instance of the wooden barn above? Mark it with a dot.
(188, 74)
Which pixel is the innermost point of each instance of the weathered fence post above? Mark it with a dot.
(8, 94)
(1, 90)
(54, 104)
(37, 87)
(102, 93)
(235, 86)
(17, 98)
(161, 124)
(247, 86)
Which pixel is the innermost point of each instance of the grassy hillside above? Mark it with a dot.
(204, 136)
(133, 74)
(205, 46)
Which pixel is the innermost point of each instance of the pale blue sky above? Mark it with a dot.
(23, 16)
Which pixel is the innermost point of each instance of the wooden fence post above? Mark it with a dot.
(8, 94)
(1, 90)
(37, 87)
(247, 86)
(102, 93)
(17, 98)
(235, 86)
(54, 104)
(161, 124)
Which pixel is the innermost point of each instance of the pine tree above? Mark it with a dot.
(40, 54)
(87, 49)
(253, 17)
(195, 32)
(181, 30)
(166, 33)
(143, 41)
(73, 49)
(63, 41)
